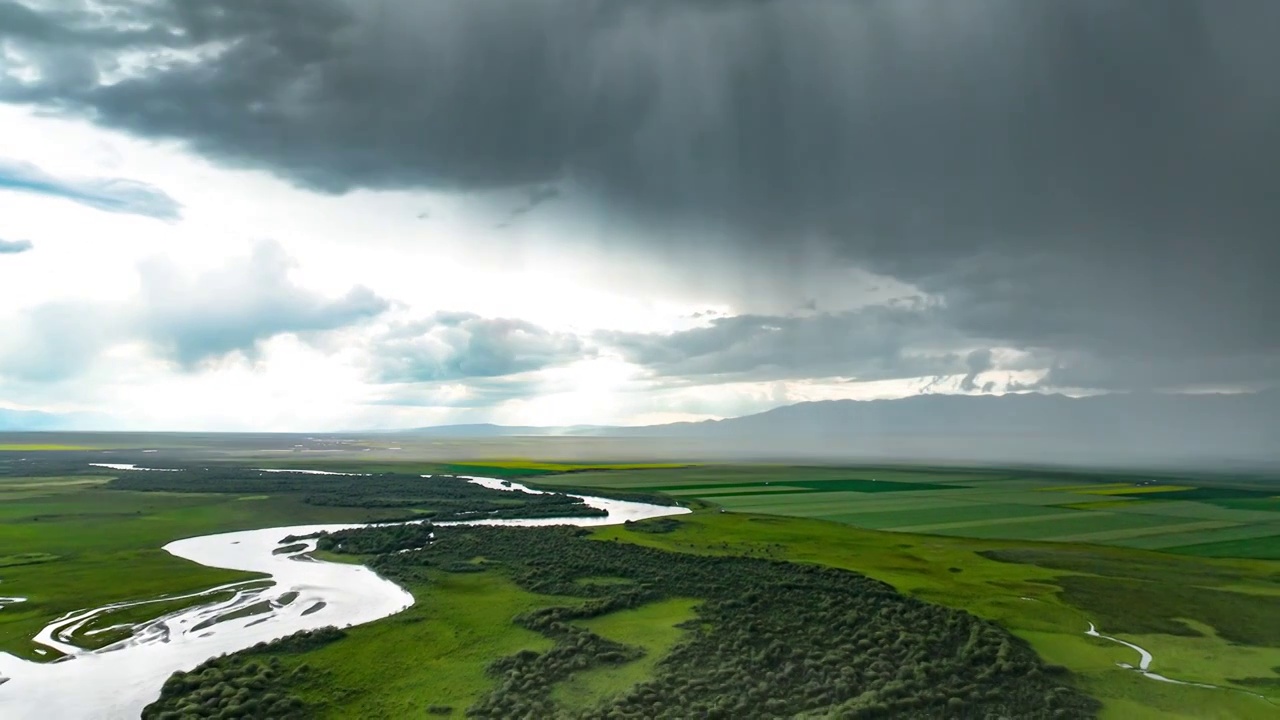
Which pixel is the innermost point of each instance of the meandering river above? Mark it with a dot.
(301, 593)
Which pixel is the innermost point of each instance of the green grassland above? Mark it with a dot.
(1196, 515)
(1174, 607)
(965, 538)
(437, 652)
(434, 653)
(654, 627)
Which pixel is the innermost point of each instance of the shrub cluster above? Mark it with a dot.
(772, 639)
(393, 538)
(240, 686)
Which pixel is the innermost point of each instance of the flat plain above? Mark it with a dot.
(1183, 566)
(1210, 516)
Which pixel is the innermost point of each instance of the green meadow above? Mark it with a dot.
(434, 653)
(1187, 571)
(1047, 594)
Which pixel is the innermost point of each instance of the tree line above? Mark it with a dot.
(252, 683)
(438, 497)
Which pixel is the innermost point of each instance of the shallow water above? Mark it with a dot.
(304, 593)
(311, 472)
(1144, 661)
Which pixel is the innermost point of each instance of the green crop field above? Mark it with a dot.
(1263, 547)
(1215, 516)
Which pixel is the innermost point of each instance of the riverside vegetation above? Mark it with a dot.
(770, 638)
(440, 497)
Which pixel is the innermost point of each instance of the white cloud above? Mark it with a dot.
(201, 324)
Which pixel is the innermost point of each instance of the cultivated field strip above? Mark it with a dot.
(1214, 516)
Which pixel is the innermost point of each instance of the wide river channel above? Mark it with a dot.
(301, 593)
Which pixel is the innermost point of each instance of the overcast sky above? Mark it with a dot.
(341, 214)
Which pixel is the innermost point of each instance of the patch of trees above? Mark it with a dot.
(772, 639)
(446, 497)
(656, 525)
(390, 539)
(243, 685)
(51, 463)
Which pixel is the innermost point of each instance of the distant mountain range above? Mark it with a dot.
(1177, 431)
(489, 430)
(1029, 427)
(29, 420)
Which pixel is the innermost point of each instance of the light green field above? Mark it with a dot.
(1130, 490)
(922, 514)
(652, 627)
(434, 653)
(1262, 533)
(1216, 516)
(708, 491)
(1198, 510)
(1182, 528)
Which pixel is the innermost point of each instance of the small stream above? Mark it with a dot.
(1144, 660)
(1144, 667)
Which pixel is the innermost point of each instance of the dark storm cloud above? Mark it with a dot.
(13, 247)
(875, 343)
(1206, 371)
(461, 346)
(1076, 177)
(23, 22)
(535, 197)
(116, 195)
(978, 362)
